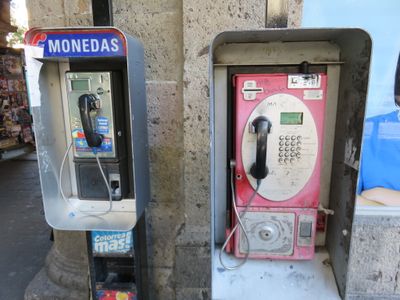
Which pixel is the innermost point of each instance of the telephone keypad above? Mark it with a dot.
(291, 151)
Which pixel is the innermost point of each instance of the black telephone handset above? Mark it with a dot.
(87, 103)
(259, 169)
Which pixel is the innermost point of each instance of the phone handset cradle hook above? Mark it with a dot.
(262, 127)
(88, 103)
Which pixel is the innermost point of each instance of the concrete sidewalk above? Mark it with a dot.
(24, 234)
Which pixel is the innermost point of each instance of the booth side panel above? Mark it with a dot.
(138, 106)
(355, 51)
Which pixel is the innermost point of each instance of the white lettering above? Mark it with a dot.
(128, 238)
(75, 46)
(113, 242)
(85, 43)
(104, 46)
(101, 247)
(65, 46)
(94, 45)
(121, 244)
(113, 245)
(54, 46)
(114, 43)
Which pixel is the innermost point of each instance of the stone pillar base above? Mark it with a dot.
(42, 288)
(65, 274)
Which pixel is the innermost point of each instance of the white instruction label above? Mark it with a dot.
(304, 81)
(313, 94)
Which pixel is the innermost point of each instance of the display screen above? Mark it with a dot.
(291, 118)
(80, 85)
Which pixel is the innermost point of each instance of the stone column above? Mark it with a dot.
(202, 21)
(158, 25)
(5, 26)
(65, 274)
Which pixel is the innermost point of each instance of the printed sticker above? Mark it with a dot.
(115, 295)
(102, 125)
(313, 95)
(112, 241)
(304, 81)
(81, 144)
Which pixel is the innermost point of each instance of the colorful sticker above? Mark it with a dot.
(115, 295)
(81, 144)
(112, 241)
(106, 146)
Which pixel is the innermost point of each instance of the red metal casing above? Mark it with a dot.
(304, 203)
(273, 84)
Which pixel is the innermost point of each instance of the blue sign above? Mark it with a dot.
(112, 241)
(82, 44)
(102, 125)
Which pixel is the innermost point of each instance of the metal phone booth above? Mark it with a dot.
(286, 118)
(87, 92)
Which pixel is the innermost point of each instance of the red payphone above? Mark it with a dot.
(278, 136)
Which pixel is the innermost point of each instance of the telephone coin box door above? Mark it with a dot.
(281, 219)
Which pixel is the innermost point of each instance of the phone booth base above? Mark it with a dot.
(310, 86)
(274, 279)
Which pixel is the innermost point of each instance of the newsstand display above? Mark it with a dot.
(16, 135)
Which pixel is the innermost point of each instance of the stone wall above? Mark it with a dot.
(54, 13)
(374, 265)
(5, 25)
(158, 24)
(202, 20)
